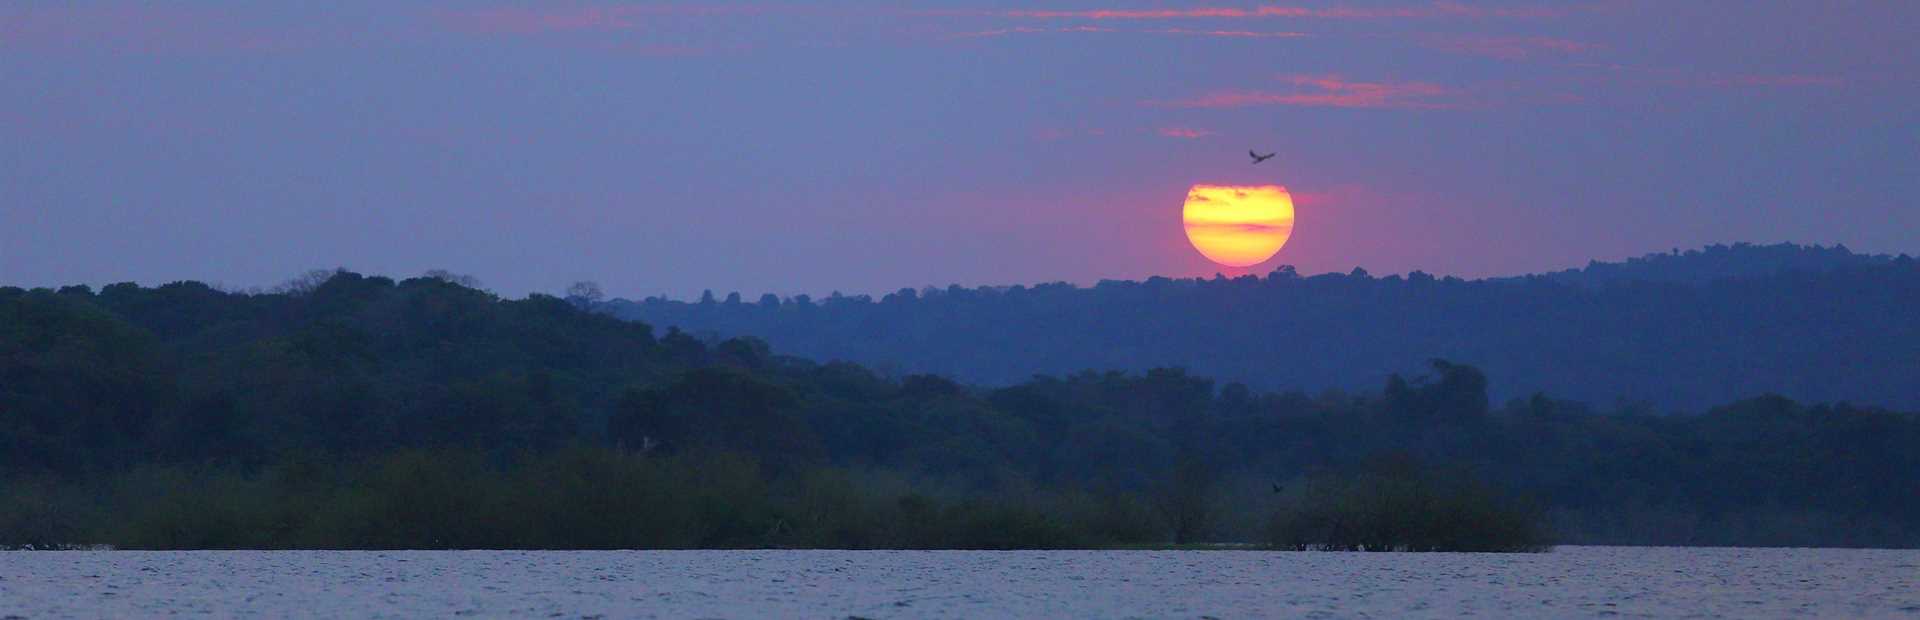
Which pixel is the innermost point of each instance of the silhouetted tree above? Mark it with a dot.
(585, 294)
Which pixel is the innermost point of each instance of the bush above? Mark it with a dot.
(1398, 507)
(581, 497)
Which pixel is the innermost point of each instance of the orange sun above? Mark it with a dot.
(1238, 225)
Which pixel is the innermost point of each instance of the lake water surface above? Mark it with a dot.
(1569, 582)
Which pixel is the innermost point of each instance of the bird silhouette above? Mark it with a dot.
(1257, 158)
(1277, 489)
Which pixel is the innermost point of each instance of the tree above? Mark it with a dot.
(462, 280)
(1458, 394)
(1461, 393)
(719, 408)
(585, 294)
(1186, 499)
(306, 283)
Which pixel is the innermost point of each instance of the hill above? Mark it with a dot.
(1680, 331)
(1719, 262)
(363, 412)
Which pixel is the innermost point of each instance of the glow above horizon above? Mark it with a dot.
(664, 148)
(1238, 225)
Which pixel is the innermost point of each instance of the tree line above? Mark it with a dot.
(349, 410)
(1672, 331)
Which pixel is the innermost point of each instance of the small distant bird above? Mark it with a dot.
(1257, 158)
(1276, 486)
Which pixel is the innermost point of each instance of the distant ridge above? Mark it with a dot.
(1678, 330)
(1715, 262)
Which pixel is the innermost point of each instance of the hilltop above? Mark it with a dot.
(1667, 331)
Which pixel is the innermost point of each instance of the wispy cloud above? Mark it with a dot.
(1430, 10)
(1002, 32)
(147, 29)
(1188, 32)
(1674, 77)
(1509, 48)
(636, 30)
(514, 20)
(1785, 80)
(1185, 133)
(1232, 34)
(1055, 134)
(1329, 91)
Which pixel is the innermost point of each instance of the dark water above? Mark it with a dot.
(1570, 582)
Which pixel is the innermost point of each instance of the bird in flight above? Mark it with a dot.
(1257, 158)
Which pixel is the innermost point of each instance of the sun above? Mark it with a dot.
(1238, 225)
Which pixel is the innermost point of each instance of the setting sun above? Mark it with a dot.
(1238, 226)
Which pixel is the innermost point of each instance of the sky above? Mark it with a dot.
(808, 147)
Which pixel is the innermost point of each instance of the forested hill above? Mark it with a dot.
(191, 407)
(1673, 331)
(1718, 262)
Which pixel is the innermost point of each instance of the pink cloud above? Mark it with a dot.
(1055, 134)
(168, 29)
(1001, 32)
(1157, 13)
(611, 18)
(1018, 30)
(1432, 10)
(1331, 91)
(1789, 80)
(1509, 48)
(1617, 74)
(657, 49)
(660, 31)
(1236, 34)
(1186, 133)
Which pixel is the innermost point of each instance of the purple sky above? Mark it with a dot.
(863, 146)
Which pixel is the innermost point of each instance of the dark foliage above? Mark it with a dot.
(359, 411)
(574, 498)
(1395, 505)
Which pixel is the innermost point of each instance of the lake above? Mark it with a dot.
(1569, 582)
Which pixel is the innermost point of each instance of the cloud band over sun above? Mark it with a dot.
(1329, 91)
(1238, 225)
